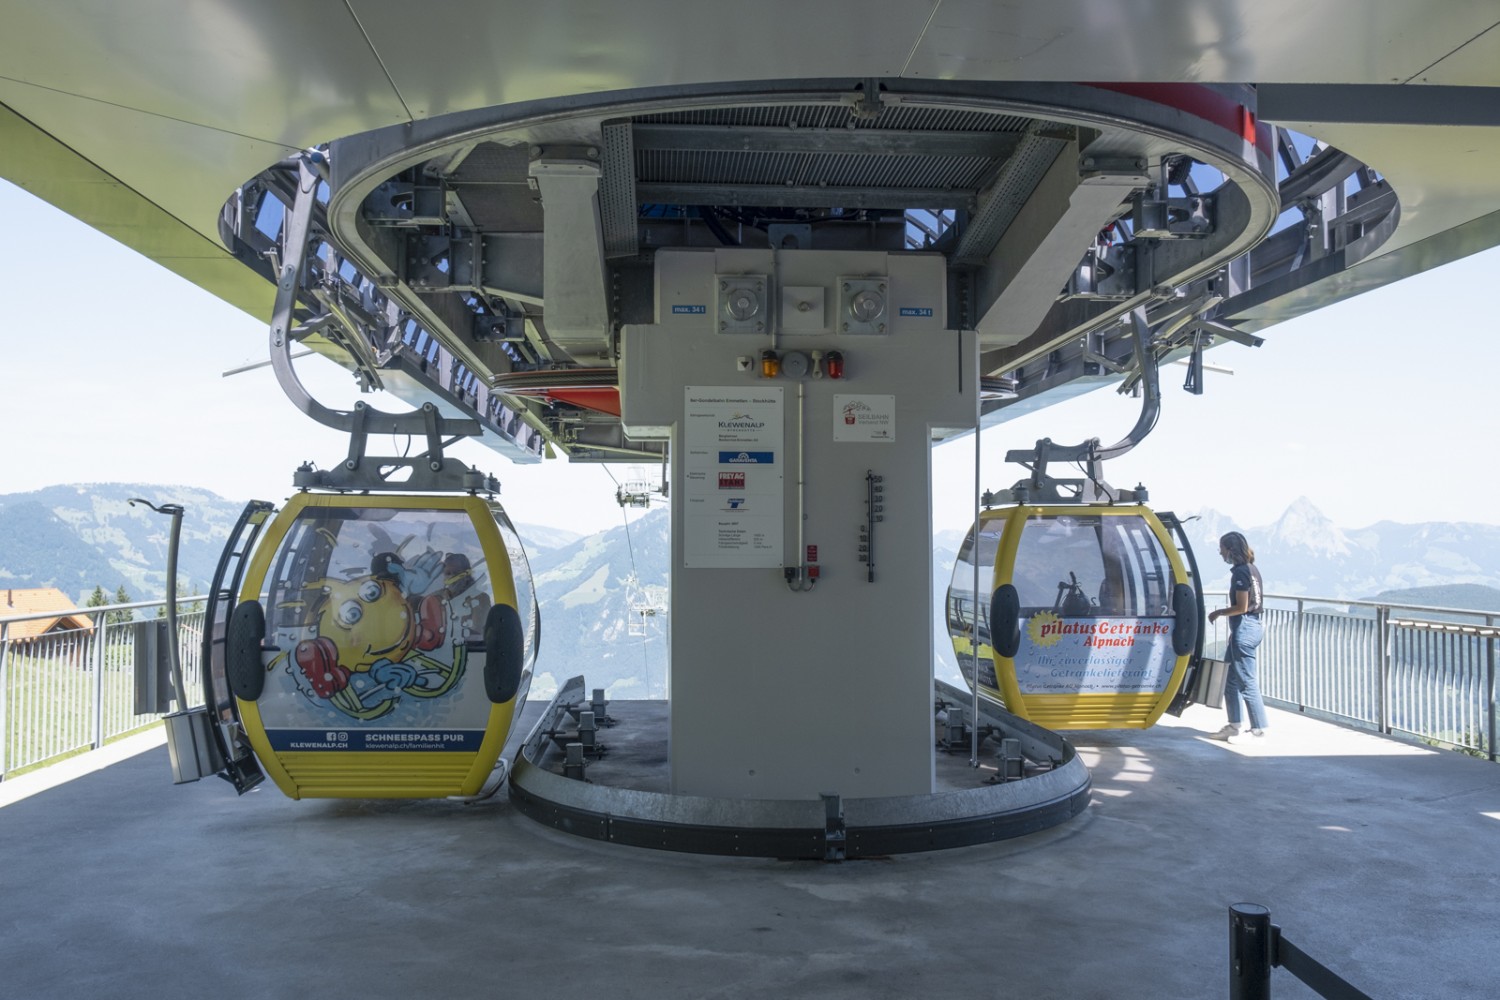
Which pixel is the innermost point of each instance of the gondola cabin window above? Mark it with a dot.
(962, 607)
(1095, 596)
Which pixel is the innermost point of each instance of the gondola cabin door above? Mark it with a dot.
(1086, 616)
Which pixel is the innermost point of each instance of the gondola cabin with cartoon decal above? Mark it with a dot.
(375, 637)
(395, 641)
(373, 633)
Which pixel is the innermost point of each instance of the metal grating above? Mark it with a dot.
(946, 173)
(1014, 186)
(490, 162)
(841, 116)
(905, 171)
(617, 207)
(503, 208)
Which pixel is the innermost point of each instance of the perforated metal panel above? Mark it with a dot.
(824, 148)
(617, 207)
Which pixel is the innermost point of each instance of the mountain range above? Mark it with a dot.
(1304, 553)
(86, 535)
(604, 597)
(604, 608)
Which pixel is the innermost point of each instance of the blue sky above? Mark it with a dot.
(1378, 408)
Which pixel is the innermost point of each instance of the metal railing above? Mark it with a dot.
(1413, 670)
(1427, 672)
(73, 689)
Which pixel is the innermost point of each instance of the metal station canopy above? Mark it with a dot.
(490, 181)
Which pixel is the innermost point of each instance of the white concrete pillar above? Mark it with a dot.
(777, 693)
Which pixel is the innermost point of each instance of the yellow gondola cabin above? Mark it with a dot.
(382, 645)
(1088, 615)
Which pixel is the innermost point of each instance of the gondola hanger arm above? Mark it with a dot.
(429, 470)
(1041, 487)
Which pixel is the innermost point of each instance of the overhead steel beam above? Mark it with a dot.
(1230, 333)
(1019, 282)
(573, 251)
(1314, 176)
(510, 264)
(1000, 203)
(1378, 104)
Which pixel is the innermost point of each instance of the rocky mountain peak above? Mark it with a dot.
(1303, 526)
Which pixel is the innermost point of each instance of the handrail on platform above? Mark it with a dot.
(75, 688)
(1398, 669)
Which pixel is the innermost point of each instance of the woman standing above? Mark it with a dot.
(1245, 633)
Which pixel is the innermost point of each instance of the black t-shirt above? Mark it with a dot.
(1244, 577)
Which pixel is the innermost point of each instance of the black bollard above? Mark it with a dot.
(1250, 934)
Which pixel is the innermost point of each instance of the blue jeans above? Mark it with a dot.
(1244, 640)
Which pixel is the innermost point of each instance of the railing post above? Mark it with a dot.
(1489, 684)
(1249, 952)
(1301, 659)
(1383, 664)
(101, 623)
(4, 691)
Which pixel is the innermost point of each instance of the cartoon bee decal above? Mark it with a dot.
(371, 635)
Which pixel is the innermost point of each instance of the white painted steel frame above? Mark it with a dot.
(178, 105)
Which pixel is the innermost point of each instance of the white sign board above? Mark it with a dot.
(1094, 655)
(734, 467)
(864, 418)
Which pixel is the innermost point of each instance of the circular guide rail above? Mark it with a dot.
(829, 829)
(416, 208)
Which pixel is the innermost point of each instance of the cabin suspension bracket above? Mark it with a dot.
(428, 471)
(1043, 488)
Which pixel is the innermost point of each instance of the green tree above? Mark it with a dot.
(97, 598)
(122, 596)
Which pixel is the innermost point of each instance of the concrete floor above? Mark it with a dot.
(1376, 857)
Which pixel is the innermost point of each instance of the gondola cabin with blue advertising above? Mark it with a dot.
(382, 644)
(1086, 616)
